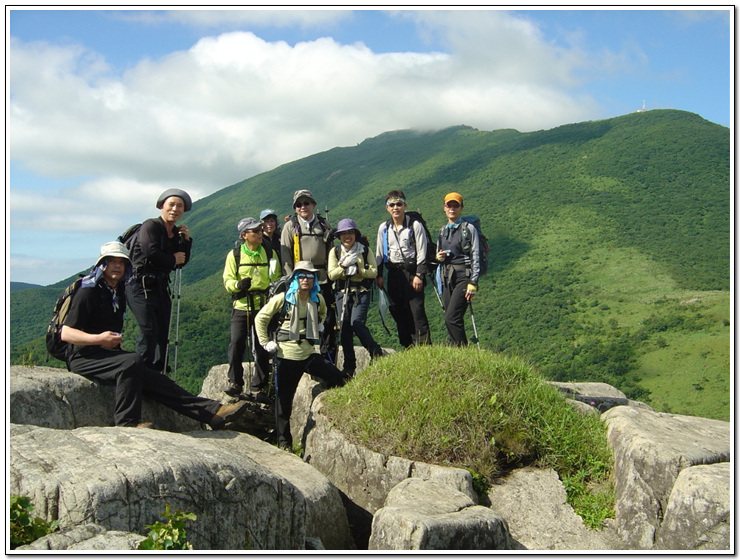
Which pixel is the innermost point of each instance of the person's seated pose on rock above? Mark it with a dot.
(92, 329)
(302, 311)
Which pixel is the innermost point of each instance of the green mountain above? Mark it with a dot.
(609, 259)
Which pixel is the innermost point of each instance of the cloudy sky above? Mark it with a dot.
(108, 108)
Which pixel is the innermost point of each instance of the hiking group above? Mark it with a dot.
(291, 290)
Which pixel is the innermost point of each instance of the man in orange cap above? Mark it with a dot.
(458, 251)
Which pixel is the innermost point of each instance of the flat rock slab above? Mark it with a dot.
(534, 504)
(650, 450)
(86, 537)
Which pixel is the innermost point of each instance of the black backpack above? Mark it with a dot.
(279, 286)
(431, 256)
(466, 244)
(55, 346)
(128, 238)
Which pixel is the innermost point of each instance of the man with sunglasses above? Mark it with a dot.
(247, 276)
(458, 251)
(307, 237)
(401, 250)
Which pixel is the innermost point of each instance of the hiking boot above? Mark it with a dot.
(259, 397)
(285, 446)
(234, 390)
(146, 425)
(227, 413)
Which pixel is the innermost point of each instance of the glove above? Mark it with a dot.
(244, 284)
(271, 347)
(471, 289)
(321, 327)
(350, 271)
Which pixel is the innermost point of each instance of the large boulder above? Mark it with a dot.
(426, 515)
(56, 398)
(650, 451)
(698, 513)
(122, 479)
(600, 396)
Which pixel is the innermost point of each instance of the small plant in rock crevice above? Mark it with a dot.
(170, 535)
(24, 528)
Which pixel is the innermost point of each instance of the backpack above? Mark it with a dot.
(326, 232)
(483, 242)
(431, 256)
(128, 238)
(365, 242)
(279, 286)
(55, 346)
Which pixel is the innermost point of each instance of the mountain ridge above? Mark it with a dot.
(561, 208)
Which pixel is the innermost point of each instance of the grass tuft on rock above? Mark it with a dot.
(477, 410)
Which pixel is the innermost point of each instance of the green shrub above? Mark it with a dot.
(24, 528)
(478, 410)
(170, 535)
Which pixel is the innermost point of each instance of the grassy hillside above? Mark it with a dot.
(598, 232)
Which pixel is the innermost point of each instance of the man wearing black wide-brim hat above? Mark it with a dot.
(160, 246)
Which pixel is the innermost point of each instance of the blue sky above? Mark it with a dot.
(107, 108)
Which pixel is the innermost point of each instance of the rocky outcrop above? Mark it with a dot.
(246, 493)
(650, 451)
(672, 480)
(425, 515)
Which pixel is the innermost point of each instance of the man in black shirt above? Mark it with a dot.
(92, 330)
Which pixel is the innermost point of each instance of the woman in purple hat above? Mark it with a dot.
(353, 274)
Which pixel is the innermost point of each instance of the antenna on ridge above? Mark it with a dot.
(643, 107)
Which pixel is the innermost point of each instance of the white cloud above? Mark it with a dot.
(234, 105)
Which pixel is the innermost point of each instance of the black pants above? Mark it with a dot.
(328, 338)
(355, 317)
(242, 329)
(289, 374)
(133, 379)
(150, 302)
(408, 308)
(453, 296)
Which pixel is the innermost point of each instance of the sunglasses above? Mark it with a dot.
(453, 205)
(254, 230)
(302, 276)
(302, 203)
(394, 204)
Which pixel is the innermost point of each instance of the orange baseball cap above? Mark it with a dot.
(454, 196)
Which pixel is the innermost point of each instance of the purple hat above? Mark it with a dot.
(346, 225)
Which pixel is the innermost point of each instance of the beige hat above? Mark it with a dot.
(113, 249)
(304, 266)
(304, 193)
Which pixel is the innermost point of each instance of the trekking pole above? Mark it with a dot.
(178, 281)
(345, 301)
(169, 331)
(277, 395)
(475, 330)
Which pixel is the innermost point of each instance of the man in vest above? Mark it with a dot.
(401, 250)
(458, 251)
(247, 275)
(308, 237)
